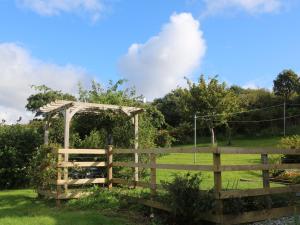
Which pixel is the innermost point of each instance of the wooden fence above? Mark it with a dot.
(216, 168)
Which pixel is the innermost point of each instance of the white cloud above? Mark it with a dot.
(251, 85)
(250, 6)
(19, 70)
(161, 63)
(94, 8)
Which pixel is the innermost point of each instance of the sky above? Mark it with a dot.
(153, 44)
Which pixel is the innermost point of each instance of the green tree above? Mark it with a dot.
(213, 102)
(44, 96)
(286, 84)
(174, 107)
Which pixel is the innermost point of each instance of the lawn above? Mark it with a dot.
(21, 207)
(230, 179)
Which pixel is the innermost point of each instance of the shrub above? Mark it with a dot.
(291, 142)
(164, 139)
(17, 144)
(186, 199)
(43, 167)
(100, 198)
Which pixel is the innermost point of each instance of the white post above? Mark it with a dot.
(136, 146)
(67, 117)
(195, 136)
(46, 132)
(67, 129)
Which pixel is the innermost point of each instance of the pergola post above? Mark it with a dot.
(136, 145)
(46, 132)
(67, 118)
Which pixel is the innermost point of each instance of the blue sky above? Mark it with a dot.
(245, 42)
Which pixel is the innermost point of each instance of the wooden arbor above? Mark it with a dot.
(70, 108)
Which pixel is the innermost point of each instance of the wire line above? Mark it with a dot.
(234, 113)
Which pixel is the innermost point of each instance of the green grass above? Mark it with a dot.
(21, 207)
(230, 179)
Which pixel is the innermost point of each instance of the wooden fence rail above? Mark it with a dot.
(64, 164)
(217, 168)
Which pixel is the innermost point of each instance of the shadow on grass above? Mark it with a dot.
(22, 209)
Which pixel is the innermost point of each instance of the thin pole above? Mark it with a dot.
(284, 118)
(195, 136)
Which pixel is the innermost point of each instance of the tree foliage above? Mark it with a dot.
(286, 84)
(212, 102)
(44, 96)
(17, 145)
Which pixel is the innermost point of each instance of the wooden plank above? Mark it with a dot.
(73, 194)
(259, 191)
(136, 145)
(153, 174)
(238, 150)
(166, 166)
(59, 177)
(218, 186)
(260, 167)
(222, 150)
(66, 172)
(109, 166)
(83, 151)
(81, 164)
(207, 216)
(82, 181)
(254, 216)
(265, 173)
(266, 179)
(150, 203)
(164, 150)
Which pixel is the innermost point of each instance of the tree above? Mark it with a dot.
(213, 102)
(173, 106)
(44, 96)
(286, 84)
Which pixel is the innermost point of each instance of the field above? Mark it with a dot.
(21, 207)
(252, 179)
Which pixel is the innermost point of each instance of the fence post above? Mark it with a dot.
(266, 178)
(109, 166)
(153, 173)
(66, 172)
(59, 177)
(218, 183)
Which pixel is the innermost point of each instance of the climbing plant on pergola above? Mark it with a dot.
(70, 108)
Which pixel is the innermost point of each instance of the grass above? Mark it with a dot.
(21, 207)
(230, 179)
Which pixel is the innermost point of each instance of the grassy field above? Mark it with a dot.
(21, 207)
(230, 179)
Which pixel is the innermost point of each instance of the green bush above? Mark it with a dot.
(186, 200)
(291, 142)
(100, 198)
(17, 145)
(164, 139)
(43, 167)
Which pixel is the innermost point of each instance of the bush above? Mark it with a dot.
(291, 142)
(164, 139)
(43, 167)
(17, 145)
(100, 198)
(186, 200)
(183, 133)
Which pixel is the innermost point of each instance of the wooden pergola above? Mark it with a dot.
(70, 108)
